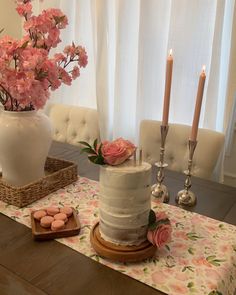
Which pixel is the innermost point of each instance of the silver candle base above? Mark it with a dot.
(186, 197)
(160, 193)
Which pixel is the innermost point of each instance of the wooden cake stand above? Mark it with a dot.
(117, 252)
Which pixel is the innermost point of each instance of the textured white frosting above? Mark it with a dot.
(124, 202)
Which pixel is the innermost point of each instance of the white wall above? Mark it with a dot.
(9, 19)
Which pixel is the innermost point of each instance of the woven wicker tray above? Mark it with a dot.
(58, 173)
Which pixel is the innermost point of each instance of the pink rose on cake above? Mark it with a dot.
(159, 229)
(109, 152)
(117, 151)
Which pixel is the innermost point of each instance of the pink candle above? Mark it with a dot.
(169, 66)
(198, 105)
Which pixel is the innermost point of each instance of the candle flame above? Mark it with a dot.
(204, 68)
(170, 52)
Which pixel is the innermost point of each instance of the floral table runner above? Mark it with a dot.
(200, 259)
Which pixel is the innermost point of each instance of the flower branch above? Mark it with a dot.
(27, 72)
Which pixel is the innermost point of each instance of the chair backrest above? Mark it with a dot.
(72, 124)
(209, 146)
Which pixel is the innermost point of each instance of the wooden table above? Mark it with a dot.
(30, 267)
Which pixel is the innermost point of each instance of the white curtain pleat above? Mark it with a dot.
(154, 26)
(230, 108)
(126, 68)
(190, 36)
(102, 67)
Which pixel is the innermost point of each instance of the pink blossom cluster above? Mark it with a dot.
(117, 151)
(27, 71)
(159, 234)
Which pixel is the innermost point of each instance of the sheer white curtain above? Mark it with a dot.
(127, 43)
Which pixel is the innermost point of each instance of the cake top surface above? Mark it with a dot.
(128, 167)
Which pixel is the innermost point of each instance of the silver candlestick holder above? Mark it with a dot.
(159, 190)
(186, 197)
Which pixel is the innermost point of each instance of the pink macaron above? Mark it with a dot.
(67, 210)
(57, 225)
(52, 210)
(39, 214)
(46, 221)
(61, 216)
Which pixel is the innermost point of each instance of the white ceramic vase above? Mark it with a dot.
(25, 139)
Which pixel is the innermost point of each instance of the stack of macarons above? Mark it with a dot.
(53, 217)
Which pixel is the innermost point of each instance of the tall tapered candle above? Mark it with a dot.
(169, 67)
(198, 105)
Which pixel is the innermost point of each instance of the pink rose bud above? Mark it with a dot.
(160, 236)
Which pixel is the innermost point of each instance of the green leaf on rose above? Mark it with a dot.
(151, 217)
(85, 143)
(99, 160)
(92, 158)
(100, 150)
(95, 144)
(88, 151)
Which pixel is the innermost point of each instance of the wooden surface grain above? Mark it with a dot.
(48, 267)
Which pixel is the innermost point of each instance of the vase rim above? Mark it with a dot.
(6, 111)
(12, 113)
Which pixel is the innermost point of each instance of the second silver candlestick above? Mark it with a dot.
(186, 197)
(159, 190)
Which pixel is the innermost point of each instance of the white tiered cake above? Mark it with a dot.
(125, 203)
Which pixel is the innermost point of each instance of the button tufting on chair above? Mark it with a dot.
(73, 124)
(209, 147)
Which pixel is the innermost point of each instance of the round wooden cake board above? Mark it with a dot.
(117, 252)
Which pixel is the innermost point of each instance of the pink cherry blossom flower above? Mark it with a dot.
(24, 9)
(75, 72)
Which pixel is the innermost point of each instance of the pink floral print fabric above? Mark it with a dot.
(200, 259)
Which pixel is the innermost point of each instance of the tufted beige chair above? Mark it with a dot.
(209, 147)
(72, 124)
